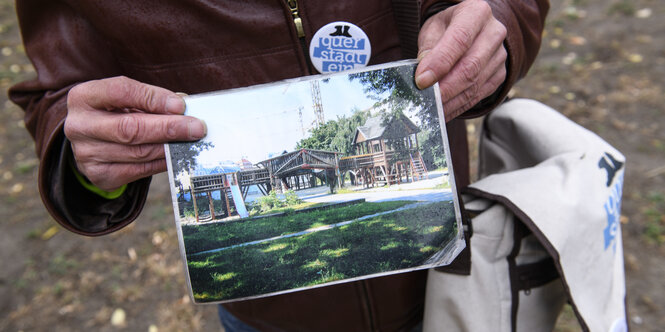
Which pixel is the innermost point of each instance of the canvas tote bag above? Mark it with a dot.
(545, 220)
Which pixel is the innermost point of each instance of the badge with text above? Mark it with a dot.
(339, 46)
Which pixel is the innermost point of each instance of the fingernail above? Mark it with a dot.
(197, 129)
(425, 80)
(422, 54)
(175, 105)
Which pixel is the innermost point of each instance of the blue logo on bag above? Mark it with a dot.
(613, 203)
(613, 209)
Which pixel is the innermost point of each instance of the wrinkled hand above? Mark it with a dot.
(462, 49)
(117, 128)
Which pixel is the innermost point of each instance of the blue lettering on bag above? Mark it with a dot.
(613, 210)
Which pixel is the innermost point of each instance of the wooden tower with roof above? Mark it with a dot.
(386, 151)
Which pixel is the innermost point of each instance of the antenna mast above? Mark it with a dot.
(302, 124)
(316, 100)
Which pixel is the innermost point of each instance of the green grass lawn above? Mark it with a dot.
(391, 241)
(218, 235)
(286, 209)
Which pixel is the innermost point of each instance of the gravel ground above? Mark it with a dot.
(602, 64)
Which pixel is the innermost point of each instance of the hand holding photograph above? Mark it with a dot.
(314, 181)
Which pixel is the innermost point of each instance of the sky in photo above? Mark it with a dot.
(255, 123)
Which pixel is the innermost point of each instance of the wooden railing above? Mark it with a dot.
(212, 182)
(250, 177)
(302, 158)
(205, 183)
(368, 160)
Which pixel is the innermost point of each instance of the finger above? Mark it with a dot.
(111, 176)
(458, 37)
(133, 128)
(431, 32)
(465, 101)
(122, 92)
(480, 63)
(105, 152)
(497, 63)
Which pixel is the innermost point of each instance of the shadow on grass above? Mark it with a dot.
(204, 237)
(394, 241)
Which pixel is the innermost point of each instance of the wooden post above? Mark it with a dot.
(226, 200)
(398, 168)
(339, 174)
(211, 205)
(244, 191)
(386, 168)
(196, 208)
(273, 180)
(406, 171)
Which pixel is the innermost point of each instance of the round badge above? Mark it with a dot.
(339, 46)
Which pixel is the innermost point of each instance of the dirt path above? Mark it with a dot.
(602, 64)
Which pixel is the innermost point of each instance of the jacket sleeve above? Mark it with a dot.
(65, 50)
(524, 21)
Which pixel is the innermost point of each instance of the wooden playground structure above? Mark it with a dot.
(386, 153)
(290, 171)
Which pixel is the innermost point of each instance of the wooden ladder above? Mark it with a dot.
(418, 167)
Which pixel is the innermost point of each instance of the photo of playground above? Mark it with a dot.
(276, 198)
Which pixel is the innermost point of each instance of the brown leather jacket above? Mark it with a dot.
(197, 46)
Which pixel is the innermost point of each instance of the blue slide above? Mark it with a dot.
(239, 202)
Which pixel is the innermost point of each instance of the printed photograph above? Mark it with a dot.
(308, 182)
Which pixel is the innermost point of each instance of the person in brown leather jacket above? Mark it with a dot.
(103, 104)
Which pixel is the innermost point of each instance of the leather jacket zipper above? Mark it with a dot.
(300, 31)
(297, 21)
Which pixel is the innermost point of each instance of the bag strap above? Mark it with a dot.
(525, 221)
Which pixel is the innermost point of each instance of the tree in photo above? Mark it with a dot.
(183, 156)
(395, 90)
(335, 135)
